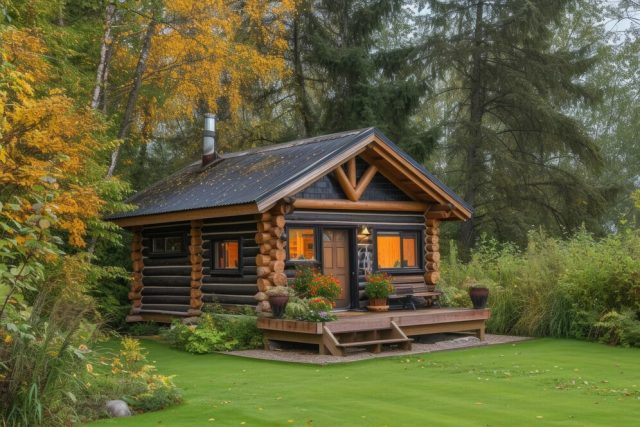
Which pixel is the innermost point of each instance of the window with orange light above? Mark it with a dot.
(397, 250)
(302, 244)
(226, 254)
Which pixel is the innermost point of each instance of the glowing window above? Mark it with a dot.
(302, 246)
(397, 250)
(226, 254)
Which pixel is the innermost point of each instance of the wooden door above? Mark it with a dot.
(335, 261)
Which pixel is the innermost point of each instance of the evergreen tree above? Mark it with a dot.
(513, 150)
(344, 78)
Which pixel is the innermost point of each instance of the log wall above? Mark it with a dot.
(432, 251)
(180, 284)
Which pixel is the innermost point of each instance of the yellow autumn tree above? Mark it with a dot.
(46, 147)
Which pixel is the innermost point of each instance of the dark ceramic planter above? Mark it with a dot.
(479, 297)
(278, 304)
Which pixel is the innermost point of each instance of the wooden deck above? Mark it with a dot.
(372, 331)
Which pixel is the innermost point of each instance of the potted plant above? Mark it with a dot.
(479, 295)
(378, 287)
(278, 299)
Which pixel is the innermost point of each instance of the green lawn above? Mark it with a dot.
(542, 382)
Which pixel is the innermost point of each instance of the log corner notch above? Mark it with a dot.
(197, 265)
(271, 252)
(135, 295)
(432, 251)
(353, 188)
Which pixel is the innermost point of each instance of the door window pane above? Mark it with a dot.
(302, 244)
(226, 255)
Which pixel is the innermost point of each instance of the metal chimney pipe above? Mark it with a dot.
(209, 139)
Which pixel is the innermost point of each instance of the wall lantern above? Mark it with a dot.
(364, 230)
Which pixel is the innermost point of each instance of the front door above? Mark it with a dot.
(335, 261)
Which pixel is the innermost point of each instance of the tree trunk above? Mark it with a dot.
(300, 88)
(473, 158)
(105, 55)
(133, 93)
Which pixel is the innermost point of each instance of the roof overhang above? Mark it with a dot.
(193, 214)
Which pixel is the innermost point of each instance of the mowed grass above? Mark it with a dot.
(541, 382)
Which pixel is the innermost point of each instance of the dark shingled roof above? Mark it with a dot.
(251, 176)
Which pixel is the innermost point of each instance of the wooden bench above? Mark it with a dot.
(408, 287)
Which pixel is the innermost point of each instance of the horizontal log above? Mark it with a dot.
(432, 277)
(166, 281)
(278, 254)
(260, 296)
(262, 237)
(248, 251)
(277, 232)
(278, 279)
(433, 266)
(229, 299)
(278, 221)
(263, 271)
(337, 204)
(276, 266)
(264, 227)
(430, 247)
(266, 216)
(264, 284)
(432, 223)
(432, 231)
(229, 288)
(166, 290)
(433, 256)
(276, 244)
(265, 248)
(166, 299)
(153, 262)
(167, 271)
(262, 260)
(177, 308)
(433, 239)
(252, 279)
(134, 296)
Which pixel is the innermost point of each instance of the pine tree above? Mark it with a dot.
(345, 79)
(513, 150)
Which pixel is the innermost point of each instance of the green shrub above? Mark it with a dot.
(311, 310)
(618, 329)
(141, 329)
(553, 287)
(215, 332)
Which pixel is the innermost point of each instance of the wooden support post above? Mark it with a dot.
(195, 252)
(270, 259)
(431, 251)
(135, 296)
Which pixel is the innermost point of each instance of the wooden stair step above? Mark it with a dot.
(374, 342)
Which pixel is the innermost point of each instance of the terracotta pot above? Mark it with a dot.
(278, 304)
(378, 304)
(479, 297)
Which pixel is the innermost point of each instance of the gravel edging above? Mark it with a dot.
(430, 344)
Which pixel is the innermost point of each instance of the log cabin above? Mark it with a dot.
(229, 227)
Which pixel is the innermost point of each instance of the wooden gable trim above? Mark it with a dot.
(417, 177)
(352, 188)
(338, 204)
(195, 214)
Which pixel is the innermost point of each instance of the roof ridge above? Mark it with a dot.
(296, 142)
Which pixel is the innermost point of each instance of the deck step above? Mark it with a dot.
(374, 342)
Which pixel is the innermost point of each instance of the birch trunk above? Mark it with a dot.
(105, 54)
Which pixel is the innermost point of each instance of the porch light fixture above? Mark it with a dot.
(364, 231)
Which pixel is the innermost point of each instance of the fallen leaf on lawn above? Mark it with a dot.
(211, 419)
(478, 403)
(290, 421)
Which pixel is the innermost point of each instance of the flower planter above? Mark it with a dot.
(479, 297)
(378, 304)
(278, 304)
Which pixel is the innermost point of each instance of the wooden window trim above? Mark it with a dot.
(183, 252)
(226, 271)
(419, 251)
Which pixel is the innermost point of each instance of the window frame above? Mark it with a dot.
(418, 234)
(226, 271)
(183, 238)
(316, 245)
